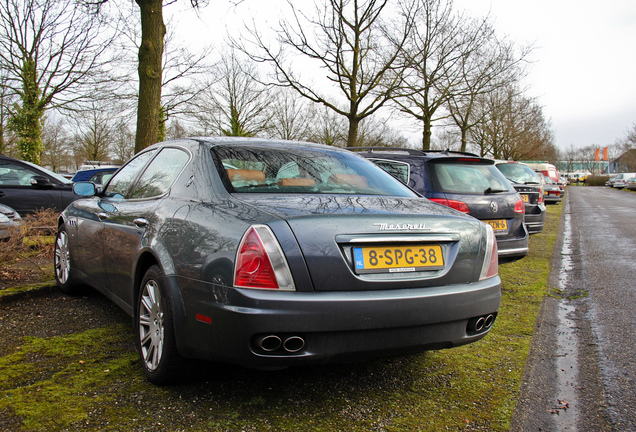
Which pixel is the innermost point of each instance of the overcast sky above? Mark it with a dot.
(584, 63)
(584, 70)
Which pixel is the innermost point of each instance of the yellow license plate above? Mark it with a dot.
(398, 259)
(498, 224)
(525, 197)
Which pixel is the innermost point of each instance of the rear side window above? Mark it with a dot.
(399, 170)
(469, 178)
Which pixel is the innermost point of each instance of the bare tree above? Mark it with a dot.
(236, 104)
(95, 134)
(514, 127)
(57, 154)
(290, 116)
(434, 53)
(328, 127)
(150, 56)
(355, 42)
(53, 54)
(6, 101)
(489, 64)
(122, 142)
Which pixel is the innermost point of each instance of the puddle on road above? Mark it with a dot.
(566, 411)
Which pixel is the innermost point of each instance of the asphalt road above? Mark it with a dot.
(581, 371)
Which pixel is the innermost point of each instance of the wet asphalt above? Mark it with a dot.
(581, 371)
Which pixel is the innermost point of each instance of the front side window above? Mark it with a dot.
(161, 173)
(265, 169)
(13, 174)
(121, 183)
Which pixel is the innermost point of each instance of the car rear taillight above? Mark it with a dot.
(260, 262)
(490, 267)
(520, 207)
(457, 205)
(541, 199)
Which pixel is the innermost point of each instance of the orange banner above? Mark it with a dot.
(596, 152)
(605, 153)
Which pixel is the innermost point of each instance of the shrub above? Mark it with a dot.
(596, 180)
(36, 235)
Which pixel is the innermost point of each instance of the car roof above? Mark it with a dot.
(389, 151)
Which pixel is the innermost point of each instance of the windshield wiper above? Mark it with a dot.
(491, 190)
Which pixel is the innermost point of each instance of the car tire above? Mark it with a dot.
(155, 329)
(62, 263)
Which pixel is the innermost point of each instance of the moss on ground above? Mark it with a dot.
(92, 380)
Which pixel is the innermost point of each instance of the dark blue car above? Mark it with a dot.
(465, 182)
(95, 175)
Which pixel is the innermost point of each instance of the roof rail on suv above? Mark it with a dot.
(412, 152)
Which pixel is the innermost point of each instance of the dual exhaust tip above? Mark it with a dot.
(481, 324)
(289, 344)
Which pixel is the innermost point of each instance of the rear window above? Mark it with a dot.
(266, 169)
(468, 178)
(519, 173)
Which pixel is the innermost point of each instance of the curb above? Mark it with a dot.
(29, 291)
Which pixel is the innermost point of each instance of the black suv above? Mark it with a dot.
(528, 184)
(463, 181)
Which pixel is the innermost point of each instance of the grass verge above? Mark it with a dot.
(91, 380)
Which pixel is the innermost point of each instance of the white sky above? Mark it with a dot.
(584, 62)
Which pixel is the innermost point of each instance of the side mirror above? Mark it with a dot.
(40, 181)
(84, 189)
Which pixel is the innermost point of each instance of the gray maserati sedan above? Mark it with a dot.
(272, 253)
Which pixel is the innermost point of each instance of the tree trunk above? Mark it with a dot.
(426, 134)
(464, 139)
(150, 57)
(352, 139)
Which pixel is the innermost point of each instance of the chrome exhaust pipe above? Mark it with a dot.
(489, 320)
(269, 343)
(480, 324)
(294, 344)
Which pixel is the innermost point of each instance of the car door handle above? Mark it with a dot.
(2, 194)
(102, 216)
(140, 222)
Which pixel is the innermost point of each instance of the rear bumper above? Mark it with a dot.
(333, 326)
(535, 222)
(515, 247)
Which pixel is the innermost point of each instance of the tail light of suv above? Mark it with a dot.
(457, 205)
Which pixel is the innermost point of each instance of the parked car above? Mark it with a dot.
(462, 181)
(631, 183)
(528, 184)
(95, 175)
(10, 222)
(552, 191)
(98, 176)
(620, 181)
(27, 187)
(301, 254)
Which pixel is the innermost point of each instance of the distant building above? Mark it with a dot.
(624, 163)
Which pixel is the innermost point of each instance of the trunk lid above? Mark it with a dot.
(398, 242)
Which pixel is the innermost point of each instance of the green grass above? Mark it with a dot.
(92, 380)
